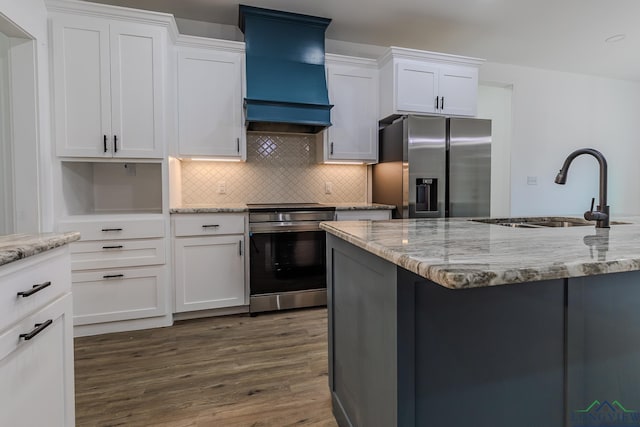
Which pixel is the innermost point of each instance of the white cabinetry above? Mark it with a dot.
(108, 78)
(119, 271)
(210, 113)
(353, 91)
(36, 342)
(418, 82)
(363, 214)
(209, 261)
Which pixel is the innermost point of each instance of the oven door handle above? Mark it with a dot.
(285, 227)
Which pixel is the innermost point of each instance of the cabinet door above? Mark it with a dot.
(416, 87)
(458, 89)
(81, 85)
(36, 375)
(353, 134)
(136, 90)
(210, 103)
(209, 272)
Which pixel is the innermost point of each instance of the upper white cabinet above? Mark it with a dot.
(210, 81)
(108, 78)
(418, 82)
(353, 91)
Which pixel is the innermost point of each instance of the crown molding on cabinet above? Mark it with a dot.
(350, 60)
(422, 55)
(205, 42)
(77, 7)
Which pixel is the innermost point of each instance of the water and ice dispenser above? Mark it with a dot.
(426, 194)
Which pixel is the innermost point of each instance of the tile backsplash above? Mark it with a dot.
(280, 168)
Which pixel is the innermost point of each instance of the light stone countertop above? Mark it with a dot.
(241, 207)
(360, 206)
(217, 208)
(14, 247)
(458, 253)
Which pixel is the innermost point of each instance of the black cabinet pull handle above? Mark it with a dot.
(238, 144)
(442, 104)
(112, 229)
(104, 141)
(113, 247)
(115, 143)
(437, 98)
(38, 327)
(112, 276)
(34, 289)
(211, 226)
(331, 149)
(240, 247)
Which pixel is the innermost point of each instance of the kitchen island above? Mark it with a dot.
(451, 322)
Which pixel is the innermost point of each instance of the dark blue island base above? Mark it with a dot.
(404, 351)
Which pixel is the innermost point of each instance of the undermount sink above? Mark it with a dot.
(540, 222)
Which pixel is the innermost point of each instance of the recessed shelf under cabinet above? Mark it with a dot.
(90, 188)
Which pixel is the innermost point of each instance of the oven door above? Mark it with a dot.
(287, 261)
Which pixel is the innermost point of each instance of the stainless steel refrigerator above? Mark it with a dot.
(434, 167)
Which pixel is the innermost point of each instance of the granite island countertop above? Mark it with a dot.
(458, 253)
(14, 247)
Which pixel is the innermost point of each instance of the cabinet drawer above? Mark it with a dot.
(115, 229)
(118, 294)
(117, 253)
(50, 271)
(208, 224)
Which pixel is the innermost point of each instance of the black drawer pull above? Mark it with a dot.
(34, 289)
(105, 143)
(112, 276)
(113, 247)
(39, 327)
(112, 229)
(115, 143)
(211, 226)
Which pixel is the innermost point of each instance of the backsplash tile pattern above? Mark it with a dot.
(279, 168)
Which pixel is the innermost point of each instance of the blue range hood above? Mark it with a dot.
(286, 82)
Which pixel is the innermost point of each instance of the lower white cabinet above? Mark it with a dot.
(118, 294)
(119, 272)
(36, 347)
(363, 214)
(209, 270)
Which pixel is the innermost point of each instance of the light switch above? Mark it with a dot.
(328, 187)
(532, 180)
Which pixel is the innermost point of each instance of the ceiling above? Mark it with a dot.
(566, 35)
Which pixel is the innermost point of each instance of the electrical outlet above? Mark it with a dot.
(532, 180)
(222, 187)
(328, 187)
(131, 169)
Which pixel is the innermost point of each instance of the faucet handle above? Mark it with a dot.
(593, 200)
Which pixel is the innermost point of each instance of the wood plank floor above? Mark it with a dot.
(269, 370)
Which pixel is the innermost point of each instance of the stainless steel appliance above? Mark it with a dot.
(434, 167)
(287, 256)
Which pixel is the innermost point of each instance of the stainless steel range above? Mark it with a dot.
(287, 256)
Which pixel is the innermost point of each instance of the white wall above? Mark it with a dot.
(6, 155)
(555, 113)
(36, 204)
